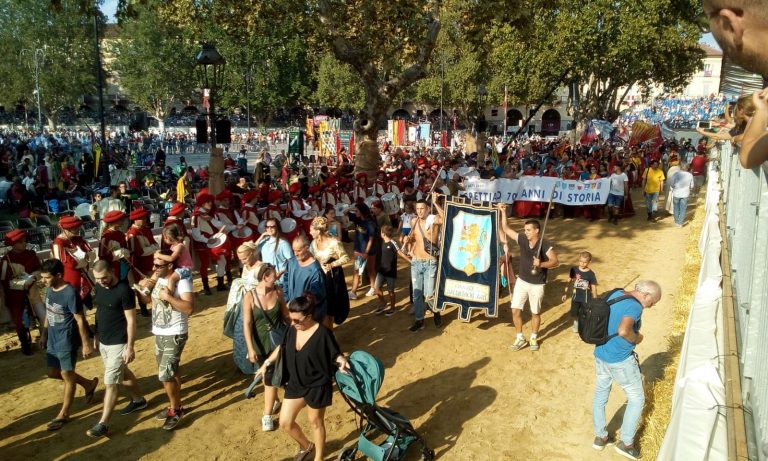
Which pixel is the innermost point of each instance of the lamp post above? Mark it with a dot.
(210, 70)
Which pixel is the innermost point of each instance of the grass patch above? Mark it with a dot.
(658, 396)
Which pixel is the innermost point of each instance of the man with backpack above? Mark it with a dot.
(615, 359)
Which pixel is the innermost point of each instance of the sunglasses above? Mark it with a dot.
(270, 227)
(298, 322)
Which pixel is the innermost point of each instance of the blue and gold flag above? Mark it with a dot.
(468, 273)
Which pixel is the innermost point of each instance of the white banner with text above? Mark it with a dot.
(537, 189)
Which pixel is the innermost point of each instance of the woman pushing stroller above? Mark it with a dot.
(310, 356)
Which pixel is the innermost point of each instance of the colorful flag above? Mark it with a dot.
(590, 134)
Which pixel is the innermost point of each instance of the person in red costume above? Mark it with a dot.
(112, 245)
(175, 218)
(141, 244)
(75, 254)
(204, 227)
(19, 269)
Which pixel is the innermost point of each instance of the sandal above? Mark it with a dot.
(305, 455)
(57, 424)
(89, 394)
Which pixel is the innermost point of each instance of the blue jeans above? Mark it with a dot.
(652, 201)
(423, 273)
(680, 205)
(627, 375)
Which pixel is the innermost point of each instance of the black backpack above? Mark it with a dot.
(593, 318)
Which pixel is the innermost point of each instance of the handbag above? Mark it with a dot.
(432, 249)
(276, 331)
(230, 319)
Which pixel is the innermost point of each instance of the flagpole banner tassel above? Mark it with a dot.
(468, 272)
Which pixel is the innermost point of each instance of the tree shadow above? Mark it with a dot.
(448, 398)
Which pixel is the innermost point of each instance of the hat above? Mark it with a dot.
(139, 213)
(295, 187)
(361, 175)
(15, 236)
(274, 195)
(113, 216)
(177, 209)
(226, 194)
(203, 199)
(70, 222)
(250, 195)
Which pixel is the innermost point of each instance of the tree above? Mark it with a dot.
(338, 85)
(154, 62)
(607, 45)
(65, 34)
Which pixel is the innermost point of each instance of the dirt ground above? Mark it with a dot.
(465, 391)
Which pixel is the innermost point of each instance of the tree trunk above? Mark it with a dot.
(366, 128)
(216, 171)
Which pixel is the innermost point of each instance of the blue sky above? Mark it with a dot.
(110, 6)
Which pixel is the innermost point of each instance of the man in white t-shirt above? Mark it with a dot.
(681, 184)
(170, 314)
(618, 191)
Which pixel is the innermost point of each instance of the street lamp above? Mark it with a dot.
(210, 70)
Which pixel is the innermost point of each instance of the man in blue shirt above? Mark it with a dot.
(304, 274)
(616, 361)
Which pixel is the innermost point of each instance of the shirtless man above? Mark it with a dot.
(423, 238)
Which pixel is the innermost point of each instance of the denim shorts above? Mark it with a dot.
(615, 200)
(381, 279)
(64, 361)
(360, 264)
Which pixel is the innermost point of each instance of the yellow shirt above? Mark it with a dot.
(653, 178)
(181, 190)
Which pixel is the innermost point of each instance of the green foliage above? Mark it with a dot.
(65, 34)
(338, 86)
(153, 62)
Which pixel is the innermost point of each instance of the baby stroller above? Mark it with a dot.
(384, 434)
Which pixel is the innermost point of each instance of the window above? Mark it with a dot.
(707, 70)
(494, 112)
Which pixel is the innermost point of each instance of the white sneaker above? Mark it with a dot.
(352, 295)
(267, 423)
(370, 293)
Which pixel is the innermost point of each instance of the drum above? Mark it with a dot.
(155, 220)
(391, 203)
(341, 215)
(290, 228)
(262, 226)
(369, 201)
(240, 236)
(220, 246)
(306, 220)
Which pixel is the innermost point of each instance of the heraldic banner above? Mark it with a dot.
(468, 274)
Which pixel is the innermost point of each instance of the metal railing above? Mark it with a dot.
(745, 201)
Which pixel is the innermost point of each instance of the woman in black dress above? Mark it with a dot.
(310, 356)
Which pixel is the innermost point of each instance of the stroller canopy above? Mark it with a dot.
(364, 381)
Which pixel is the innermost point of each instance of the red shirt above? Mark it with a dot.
(699, 165)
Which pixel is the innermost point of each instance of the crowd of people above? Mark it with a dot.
(676, 111)
(277, 245)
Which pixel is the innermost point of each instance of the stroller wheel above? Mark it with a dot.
(427, 454)
(347, 454)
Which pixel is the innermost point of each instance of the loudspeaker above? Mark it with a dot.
(223, 131)
(140, 122)
(201, 128)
